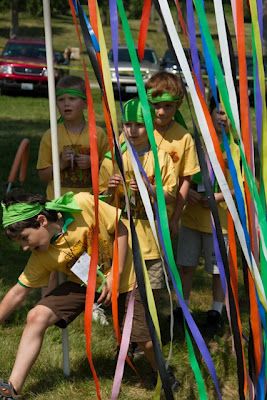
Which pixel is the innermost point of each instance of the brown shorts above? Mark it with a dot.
(140, 331)
(67, 301)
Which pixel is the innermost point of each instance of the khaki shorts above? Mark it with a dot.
(140, 331)
(155, 273)
(193, 244)
(67, 301)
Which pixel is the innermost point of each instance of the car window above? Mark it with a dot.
(24, 50)
(150, 56)
(124, 56)
(169, 57)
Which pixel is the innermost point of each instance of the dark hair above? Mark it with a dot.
(19, 196)
(71, 81)
(163, 82)
(212, 104)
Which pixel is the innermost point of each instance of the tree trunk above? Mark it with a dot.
(14, 28)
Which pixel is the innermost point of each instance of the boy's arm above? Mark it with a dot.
(46, 174)
(182, 193)
(122, 250)
(12, 300)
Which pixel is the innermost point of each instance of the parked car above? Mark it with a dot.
(250, 78)
(170, 63)
(23, 66)
(149, 66)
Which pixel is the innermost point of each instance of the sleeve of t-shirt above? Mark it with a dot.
(107, 214)
(102, 143)
(168, 175)
(45, 152)
(189, 164)
(35, 275)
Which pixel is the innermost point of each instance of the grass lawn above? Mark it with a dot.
(27, 117)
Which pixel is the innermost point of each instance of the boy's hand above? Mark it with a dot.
(106, 293)
(114, 181)
(133, 185)
(66, 158)
(174, 224)
(83, 161)
(217, 196)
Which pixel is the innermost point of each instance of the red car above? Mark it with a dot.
(23, 66)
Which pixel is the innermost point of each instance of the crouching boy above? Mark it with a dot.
(58, 233)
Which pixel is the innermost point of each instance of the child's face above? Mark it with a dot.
(164, 113)
(220, 120)
(35, 238)
(70, 107)
(136, 133)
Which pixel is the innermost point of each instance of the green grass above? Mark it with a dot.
(27, 117)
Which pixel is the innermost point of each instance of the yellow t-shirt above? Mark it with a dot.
(198, 217)
(179, 144)
(146, 239)
(64, 252)
(72, 179)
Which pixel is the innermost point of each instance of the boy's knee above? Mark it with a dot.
(40, 316)
(187, 271)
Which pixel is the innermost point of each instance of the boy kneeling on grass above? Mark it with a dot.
(58, 233)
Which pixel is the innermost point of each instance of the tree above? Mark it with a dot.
(14, 28)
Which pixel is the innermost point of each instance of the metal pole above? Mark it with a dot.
(55, 156)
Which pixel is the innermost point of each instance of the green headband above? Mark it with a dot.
(72, 92)
(18, 212)
(133, 112)
(163, 97)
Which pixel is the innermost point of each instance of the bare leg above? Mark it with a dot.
(38, 320)
(147, 348)
(186, 274)
(217, 290)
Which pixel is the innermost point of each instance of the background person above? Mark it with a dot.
(73, 141)
(195, 236)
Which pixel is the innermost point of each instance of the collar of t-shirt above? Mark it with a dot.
(68, 219)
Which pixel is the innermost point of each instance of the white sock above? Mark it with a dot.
(217, 306)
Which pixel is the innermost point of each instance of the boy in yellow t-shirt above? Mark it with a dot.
(58, 233)
(165, 93)
(195, 236)
(110, 183)
(73, 141)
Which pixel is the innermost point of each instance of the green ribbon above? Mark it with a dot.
(165, 96)
(123, 149)
(71, 91)
(18, 212)
(133, 112)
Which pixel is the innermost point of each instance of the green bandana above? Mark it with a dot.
(72, 92)
(133, 112)
(18, 212)
(163, 97)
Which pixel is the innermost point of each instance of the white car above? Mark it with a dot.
(149, 66)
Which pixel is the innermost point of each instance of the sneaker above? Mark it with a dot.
(99, 315)
(175, 384)
(178, 314)
(214, 322)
